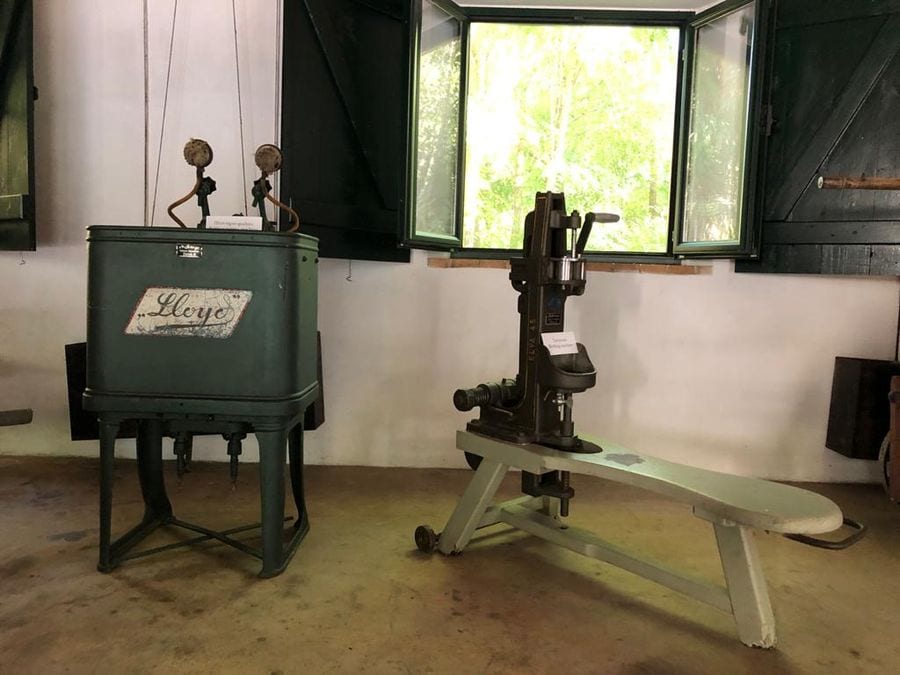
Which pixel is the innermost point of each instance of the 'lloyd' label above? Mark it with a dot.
(189, 312)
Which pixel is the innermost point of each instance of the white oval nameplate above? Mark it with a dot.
(189, 312)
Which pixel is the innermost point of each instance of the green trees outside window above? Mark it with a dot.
(588, 110)
(645, 114)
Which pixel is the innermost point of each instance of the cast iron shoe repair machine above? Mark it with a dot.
(203, 331)
(536, 406)
(526, 423)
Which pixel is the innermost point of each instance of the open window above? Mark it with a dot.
(436, 124)
(443, 139)
(721, 131)
(518, 101)
(17, 231)
(652, 115)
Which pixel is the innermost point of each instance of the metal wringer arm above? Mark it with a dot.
(199, 154)
(268, 160)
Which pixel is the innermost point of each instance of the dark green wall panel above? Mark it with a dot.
(835, 74)
(345, 113)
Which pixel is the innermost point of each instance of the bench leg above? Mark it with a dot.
(474, 502)
(746, 585)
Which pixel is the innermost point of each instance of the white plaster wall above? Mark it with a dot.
(727, 371)
(731, 372)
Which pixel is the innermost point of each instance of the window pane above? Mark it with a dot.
(438, 122)
(585, 110)
(717, 134)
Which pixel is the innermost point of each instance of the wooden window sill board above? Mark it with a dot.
(640, 268)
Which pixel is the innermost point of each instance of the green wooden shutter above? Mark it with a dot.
(16, 127)
(345, 124)
(834, 112)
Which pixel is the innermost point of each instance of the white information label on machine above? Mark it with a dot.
(234, 223)
(560, 343)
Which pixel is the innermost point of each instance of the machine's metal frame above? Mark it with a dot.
(273, 434)
(745, 596)
(179, 374)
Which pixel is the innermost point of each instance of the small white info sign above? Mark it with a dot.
(190, 312)
(234, 223)
(560, 343)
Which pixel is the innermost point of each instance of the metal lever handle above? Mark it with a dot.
(174, 205)
(589, 220)
(268, 159)
(847, 542)
(198, 154)
(585, 233)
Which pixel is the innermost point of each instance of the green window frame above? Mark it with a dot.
(726, 40)
(691, 25)
(438, 29)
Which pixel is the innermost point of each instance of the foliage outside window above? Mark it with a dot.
(588, 110)
(717, 132)
(589, 105)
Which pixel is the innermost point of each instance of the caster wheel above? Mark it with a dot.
(473, 461)
(426, 539)
(884, 458)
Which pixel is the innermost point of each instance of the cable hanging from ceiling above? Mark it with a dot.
(150, 205)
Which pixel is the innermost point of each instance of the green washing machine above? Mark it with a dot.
(202, 331)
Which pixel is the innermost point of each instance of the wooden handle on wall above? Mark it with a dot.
(862, 183)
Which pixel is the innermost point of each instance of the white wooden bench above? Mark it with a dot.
(734, 505)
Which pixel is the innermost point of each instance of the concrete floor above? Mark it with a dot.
(358, 597)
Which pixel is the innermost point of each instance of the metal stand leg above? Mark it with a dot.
(474, 502)
(275, 552)
(295, 456)
(746, 585)
(271, 489)
(150, 472)
(108, 432)
(157, 509)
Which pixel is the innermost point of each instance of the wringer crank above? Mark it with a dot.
(204, 331)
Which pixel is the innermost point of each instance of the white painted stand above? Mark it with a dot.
(733, 504)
